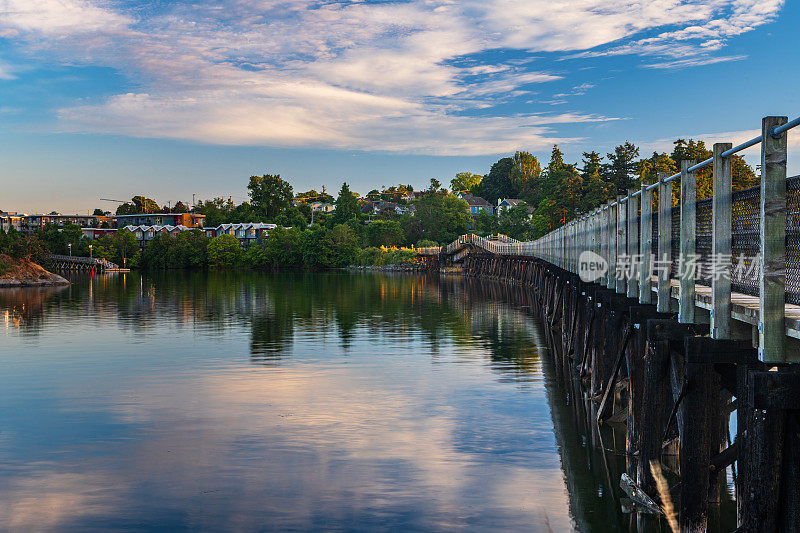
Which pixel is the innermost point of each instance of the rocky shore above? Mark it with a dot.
(16, 273)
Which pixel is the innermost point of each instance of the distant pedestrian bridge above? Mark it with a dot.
(69, 262)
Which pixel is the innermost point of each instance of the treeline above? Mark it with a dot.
(561, 191)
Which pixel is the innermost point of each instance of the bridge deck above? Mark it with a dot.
(744, 308)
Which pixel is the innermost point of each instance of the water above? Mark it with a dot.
(258, 402)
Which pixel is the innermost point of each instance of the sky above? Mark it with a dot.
(185, 99)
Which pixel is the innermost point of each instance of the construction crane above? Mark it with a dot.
(110, 200)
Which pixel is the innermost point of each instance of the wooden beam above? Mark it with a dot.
(646, 246)
(622, 249)
(688, 237)
(721, 244)
(612, 246)
(772, 234)
(664, 242)
(633, 243)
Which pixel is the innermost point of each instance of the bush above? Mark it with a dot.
(224, 251)
(425, 243)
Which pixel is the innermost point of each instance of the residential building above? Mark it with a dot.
(477, 205)
(11, 220)
(246, 232)
(413, 195)
(32, 223)
(188, 220)
(322, 207)
(508, 203)
(145, 233)
(95, 233)
(384, 207)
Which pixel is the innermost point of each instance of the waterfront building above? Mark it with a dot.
(11, 220)
(31, 223)
(188, 220)
(245, 232)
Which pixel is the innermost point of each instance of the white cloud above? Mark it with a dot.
(58, 17)
(406, 76)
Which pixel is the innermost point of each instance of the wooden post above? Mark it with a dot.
(612, 246)
(622, 231)
(646, 246)
(664, 242)
(721, 245)
(772, 232)
(688, 238)
(633, 243)
(603, 237)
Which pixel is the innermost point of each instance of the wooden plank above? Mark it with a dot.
(688, 238)
(645, 246)
(664, 241)
(772, 234)
(721, 244)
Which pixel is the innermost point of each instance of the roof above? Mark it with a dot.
(156, 227)
(510, 201)
(158, 215)
(245, 225)
(476, 201)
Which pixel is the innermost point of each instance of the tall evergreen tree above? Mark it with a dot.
(346, 205)
(621, 171)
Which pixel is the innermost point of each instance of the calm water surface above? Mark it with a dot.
(251, 402)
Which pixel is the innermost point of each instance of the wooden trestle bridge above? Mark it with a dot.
(68, 262)
(672, 353)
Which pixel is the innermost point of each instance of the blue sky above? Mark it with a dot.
(112, 98)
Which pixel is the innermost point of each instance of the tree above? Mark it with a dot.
(224, 251)
(346, 206)
(621, 171)
(180, 207)
(283, 248)
(465, 181)
(435, 185)
(270, 194)
(145, 205)
(526, 174)
(125, 244)
(293, 217)
(384, 233)
(595, 189)
(99, 213)
(515, 222)
(498, 183)
(437, 218)
(315, 246)
(344, 246)
(216, 210)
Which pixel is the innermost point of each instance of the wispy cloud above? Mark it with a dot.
(406, 76)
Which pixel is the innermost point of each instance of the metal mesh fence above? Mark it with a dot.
(745, 245)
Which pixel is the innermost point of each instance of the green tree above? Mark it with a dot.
(344, 246)
(292, 217)
(270, 194)
(346, 206)
(595, 188)
(465, 181)
(437, 218)
(526, 174)
(283, 248)
(315, 246)
(621, 171)
(498, 183)
(384, 233)
(224, 251)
